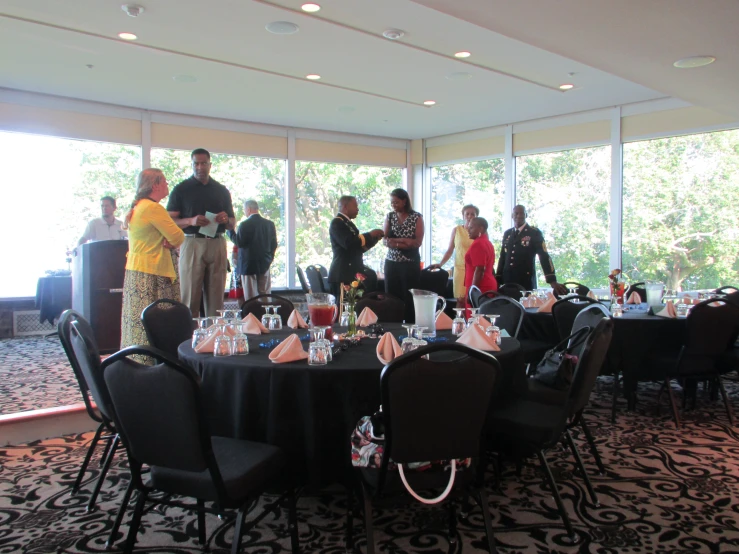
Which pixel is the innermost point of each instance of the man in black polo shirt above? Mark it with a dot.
(202, 259)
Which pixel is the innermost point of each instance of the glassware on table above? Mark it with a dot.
(317, 354)
(199, 336)
(617, 310)
(408, 342)
(617, 292)
(323, 311)
(458, 323)
(344, 318)
(573, 291)
(474, 317)
(203, 324)
(223, 345)
(240, 340)
(276, 323)
(681, 309)
(267, 316)
(407, 327)
(493, 331)
(654, 293)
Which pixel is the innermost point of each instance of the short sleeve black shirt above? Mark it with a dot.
(191, 198)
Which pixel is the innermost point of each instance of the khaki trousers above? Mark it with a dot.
(203, 274)
(255, 285)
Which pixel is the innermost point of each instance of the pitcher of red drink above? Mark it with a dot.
(323, 311)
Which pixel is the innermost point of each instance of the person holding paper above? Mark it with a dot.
(202, 208)
(257, 241)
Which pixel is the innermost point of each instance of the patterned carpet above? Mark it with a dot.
(667, 491)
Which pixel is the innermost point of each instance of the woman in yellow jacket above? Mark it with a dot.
(150, 271)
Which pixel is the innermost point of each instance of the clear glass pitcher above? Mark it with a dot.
(323, 311)
(654, 293)
(424, 302)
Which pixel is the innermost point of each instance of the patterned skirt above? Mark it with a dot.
(140, 290)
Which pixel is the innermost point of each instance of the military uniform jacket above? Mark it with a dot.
(516, 260)
(348, 246)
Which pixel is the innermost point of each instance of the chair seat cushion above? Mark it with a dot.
(525, 423)
(246, 467)
(539, 392)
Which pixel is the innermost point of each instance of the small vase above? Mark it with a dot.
(352, 327)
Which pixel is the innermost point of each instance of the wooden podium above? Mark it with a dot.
(97, 289)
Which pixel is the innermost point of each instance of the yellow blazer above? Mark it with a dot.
(150, 224)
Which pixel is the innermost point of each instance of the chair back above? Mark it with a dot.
(167, 323)
(589, 316)
(434, 280)
(589, 364)
(477, 297)
(64, 328)
(580, 289)
(436, 409)
(512, 290)
(158, 411)
(303, 282)
(315, 279)
(82, 342)
(726, 289)
(510, 313)
(711, 330)
(564, 312)
(387, 307)
(639, 288)
(256, 306)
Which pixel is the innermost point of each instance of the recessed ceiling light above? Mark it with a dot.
(393, 34)
(429, 102)
(313, 77)
(185, 79)
(282, 28)
(462, 54)
(133, 10)
(310, 8)
(694, 61)
(566, 86)
(127, 36)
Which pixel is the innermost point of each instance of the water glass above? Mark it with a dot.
(494, 333)
(474, 317)
(682, 310)
(223, 346)
(267, 317)
(198, 337)
(617, 310)
(317, 353)
(276, 323)
(458, 323)
(344, 319)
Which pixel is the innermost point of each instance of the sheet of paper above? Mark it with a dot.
(211, 229)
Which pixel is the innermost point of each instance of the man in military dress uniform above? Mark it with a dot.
(348, 245)
(521, 245)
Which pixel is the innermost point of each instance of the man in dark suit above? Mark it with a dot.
(348, 245)
(257, 241)
(521, 245)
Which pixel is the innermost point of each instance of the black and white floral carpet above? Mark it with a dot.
(666, 491)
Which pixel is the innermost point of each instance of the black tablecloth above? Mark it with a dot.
(53, 296)
(309, 411)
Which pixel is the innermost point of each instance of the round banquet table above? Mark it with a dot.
(308, 411)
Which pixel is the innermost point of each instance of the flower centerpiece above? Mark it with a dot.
(352, 292)
(618, 286)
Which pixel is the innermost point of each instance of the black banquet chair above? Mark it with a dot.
(256, 306)
(512, 290)
(434, 280)
(301, 278)
(432, 410)
(167, 323)
(580, 289)
(316, 279)
(79, 344)
(510, 313)
(528, 425)
(565, 310)
(726, 289)
(169, 433)
(387, 307)
(477, 297)
(639, 289)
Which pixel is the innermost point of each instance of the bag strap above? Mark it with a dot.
(577, 338)
(439, 498)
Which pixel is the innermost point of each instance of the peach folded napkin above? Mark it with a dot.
(668, 310)
(546, 307)
(443, 322)
(289, 350)
(254, 326)
(475, 337)
(388, 348)
(296, 321)
(591, 294)
(207, 346)
(366, 318)
(634, 298)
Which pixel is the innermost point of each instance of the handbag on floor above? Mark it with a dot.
(557, 367)
(368, 448)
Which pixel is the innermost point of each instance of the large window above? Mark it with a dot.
(681, 215)
(567, 196)
(454, 186)
(318, 189)
(260, 179)
(51, 189)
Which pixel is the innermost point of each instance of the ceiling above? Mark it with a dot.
(227, 65)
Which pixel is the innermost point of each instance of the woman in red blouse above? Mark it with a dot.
(479, 261)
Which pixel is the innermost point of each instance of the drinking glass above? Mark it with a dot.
(493, 330)
(458, 323)
(407, 327)
(240, 340)
(267, 317)
(198, 337)
(410, 338)
(344, 319)
(223, 345)
(321, 340)
(682, 310)
(417, 331)
(276, 323)
(573, 291)
(474, 317)
(617, 310)
(316, 354)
